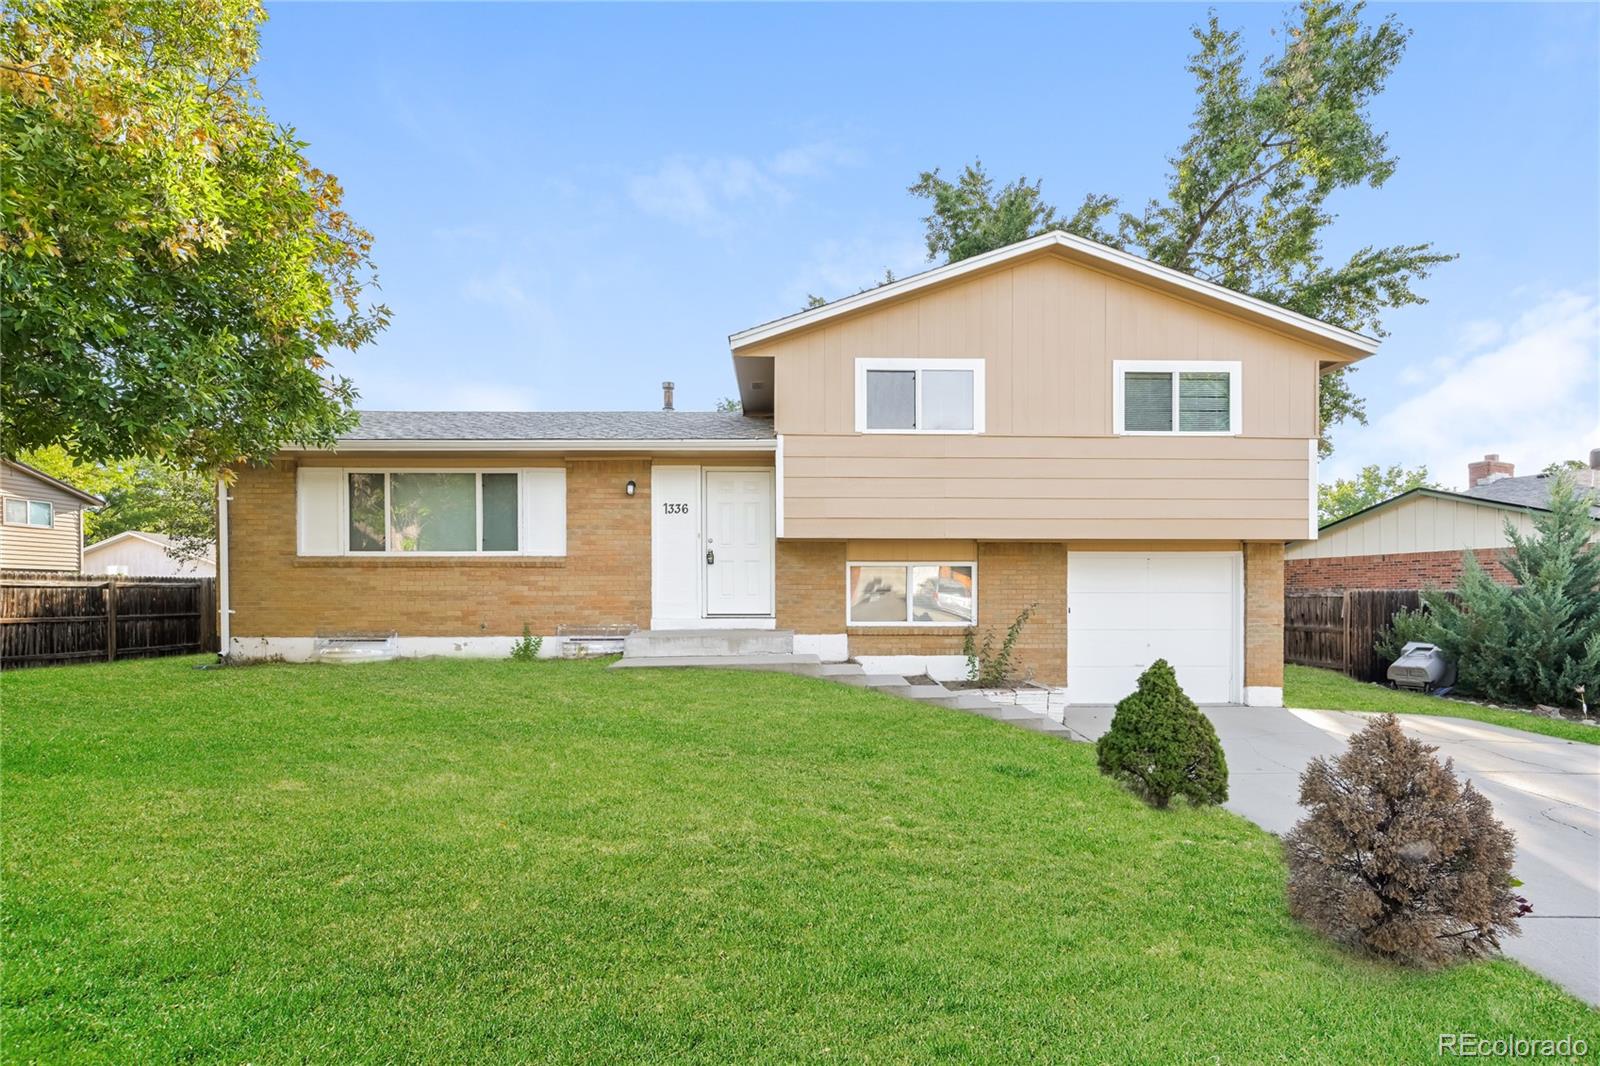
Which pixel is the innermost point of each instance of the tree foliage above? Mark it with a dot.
(175, 271)
(1161, 746)
(1538, 642)
(142, 494)
(1246, 198)
(1372, 485)
(1396, 857)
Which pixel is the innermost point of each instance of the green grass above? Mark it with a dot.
(1329, 690)
(456, 861)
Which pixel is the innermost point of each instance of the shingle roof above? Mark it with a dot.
(1533, 491)
(558, 425)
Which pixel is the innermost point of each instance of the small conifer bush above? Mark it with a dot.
(1396, 857)
(1161, 746)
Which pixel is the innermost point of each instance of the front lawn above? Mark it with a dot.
(1329, 690)
(456, 861)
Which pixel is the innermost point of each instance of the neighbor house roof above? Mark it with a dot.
(87, 497)
(1443, 494)
(388, 430)
(1113, 260)
(160, 540)
(1531, 491)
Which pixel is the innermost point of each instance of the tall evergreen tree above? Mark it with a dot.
(1538, 642)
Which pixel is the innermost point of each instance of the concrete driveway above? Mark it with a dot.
(1544, 789)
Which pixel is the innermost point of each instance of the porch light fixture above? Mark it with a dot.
(631, 489)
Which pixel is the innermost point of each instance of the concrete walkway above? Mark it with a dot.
(1544, 789)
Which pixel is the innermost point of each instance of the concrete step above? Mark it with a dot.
(804, 665)
(840, 671)
(963, 702)
(678, 643)
(916, 692)
(865, 680)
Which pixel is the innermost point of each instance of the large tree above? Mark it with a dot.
(141, 494)
(175, 271)
(1246, 198)
(1372, 485)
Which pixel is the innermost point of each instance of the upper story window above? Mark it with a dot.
(20, 512)
(919, 396)
(1185, 396)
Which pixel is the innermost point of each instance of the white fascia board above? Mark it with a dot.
(547, 446)
(1090, 249)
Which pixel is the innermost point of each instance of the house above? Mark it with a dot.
(1419, 538)
(1056, 423)
(42, 524)
(143, 554)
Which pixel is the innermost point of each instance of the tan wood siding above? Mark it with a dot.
(1048, 465)
(1055, 488)
(1420, 524)
(33, 548)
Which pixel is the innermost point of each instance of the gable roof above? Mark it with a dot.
(1530, 491)
(1353, 345)
(1443, 494)
(160, 540)
(87, 497)
(420, 429)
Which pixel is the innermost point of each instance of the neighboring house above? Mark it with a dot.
(1419, 538)
(140, 554)
(42, 524)
(1056, 424)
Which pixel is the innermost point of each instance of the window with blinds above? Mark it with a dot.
(1174, 397)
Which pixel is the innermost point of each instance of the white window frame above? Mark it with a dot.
(853, 563)
(919, 365)
(388, 513)
(1120, 368)
(30, 523)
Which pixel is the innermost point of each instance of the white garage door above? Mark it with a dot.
(1125, 610)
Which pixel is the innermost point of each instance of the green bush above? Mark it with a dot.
(526, 650)
(1407, 626)
(1161, 746)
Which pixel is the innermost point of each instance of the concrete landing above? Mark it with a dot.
(807, 665)
(679, 643)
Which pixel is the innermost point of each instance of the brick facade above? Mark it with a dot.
(1263, 614)
(604, 578)
(1410, 570)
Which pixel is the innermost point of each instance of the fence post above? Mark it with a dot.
(1345, 616)
(111, 618)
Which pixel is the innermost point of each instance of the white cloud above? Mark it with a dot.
(703, 191)
(401, 394)
(1532, 395)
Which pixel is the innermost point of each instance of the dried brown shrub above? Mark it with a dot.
(1396, 857)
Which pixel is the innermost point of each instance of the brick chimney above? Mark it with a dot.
(1490, 468)
(666, 395)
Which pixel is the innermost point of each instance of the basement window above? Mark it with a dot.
(1183, 397)
(933, 594)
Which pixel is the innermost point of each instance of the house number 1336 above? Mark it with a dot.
(675, 508)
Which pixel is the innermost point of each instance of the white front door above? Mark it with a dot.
(1125, 610)
(739, 542)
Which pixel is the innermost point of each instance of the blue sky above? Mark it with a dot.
(572, 204)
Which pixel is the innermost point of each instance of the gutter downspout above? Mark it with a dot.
(224, 611)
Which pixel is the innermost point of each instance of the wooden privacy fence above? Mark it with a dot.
(69, 618)
(1336, 630)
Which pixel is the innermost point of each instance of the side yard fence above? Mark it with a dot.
(50, 618)
(1336, 630)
